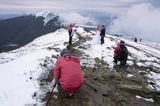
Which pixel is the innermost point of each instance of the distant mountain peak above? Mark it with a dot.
(24, 29)
(44, 13)
(47, 15)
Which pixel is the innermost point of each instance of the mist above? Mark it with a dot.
(77, 18)
(141, 21)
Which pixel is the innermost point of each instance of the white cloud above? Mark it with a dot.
(141, 20)
(129, 1)
(112, 6)
(76, 18)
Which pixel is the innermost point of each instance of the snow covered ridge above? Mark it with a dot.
(21, 69)
(47, 15)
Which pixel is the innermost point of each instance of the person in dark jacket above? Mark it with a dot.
(71, 32)
(121, 53)
(135, 39)
(68, 72)
(102, 34)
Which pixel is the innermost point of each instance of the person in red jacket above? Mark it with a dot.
(68, 72)
(121, 53)
(71, 32)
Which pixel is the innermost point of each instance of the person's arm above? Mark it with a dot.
(101, 32)
(73, 30)
(117, 49)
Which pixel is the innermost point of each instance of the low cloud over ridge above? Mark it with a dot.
(141, 20)
(76, 18)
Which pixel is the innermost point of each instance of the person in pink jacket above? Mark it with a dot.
(68, 72)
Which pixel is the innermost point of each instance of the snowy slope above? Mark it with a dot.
(151, 44)
(20, 70)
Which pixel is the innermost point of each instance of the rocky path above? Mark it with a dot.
(120, 86)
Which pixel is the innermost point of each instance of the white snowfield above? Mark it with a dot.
(20, 69)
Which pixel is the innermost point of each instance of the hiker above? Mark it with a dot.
(102, 34)
(140, 39)
(67, 72)
(135, 39)
(71, 32)
(121, 53)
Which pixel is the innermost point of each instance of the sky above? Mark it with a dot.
(141, 21)
(108, 6)
(139, 18)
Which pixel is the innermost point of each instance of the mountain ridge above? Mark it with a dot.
(32, 66)
(22, 30)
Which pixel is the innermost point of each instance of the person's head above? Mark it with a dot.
(122, 43)
(68, 50)
(98, 27)
(71, 25)
(69, 47)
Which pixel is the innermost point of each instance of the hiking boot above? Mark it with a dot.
(115, 61)
(71, 94)
(68, 95)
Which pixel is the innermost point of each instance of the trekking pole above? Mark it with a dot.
(95, 90)
(51, 94)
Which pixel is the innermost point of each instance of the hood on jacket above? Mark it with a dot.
(122, 43)
(66, 51)
(72, 58)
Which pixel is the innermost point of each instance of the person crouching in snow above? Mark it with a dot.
(67, 72)
(121, 53)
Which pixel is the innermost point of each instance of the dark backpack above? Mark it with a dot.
(123, 54)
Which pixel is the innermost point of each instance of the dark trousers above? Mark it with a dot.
(102, 39)
(63, 92)
(70, 36)
(70, 40)
(122, 60)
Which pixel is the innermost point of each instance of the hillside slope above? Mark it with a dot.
(26, 73)
(24, 29)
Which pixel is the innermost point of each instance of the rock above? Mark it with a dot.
(87, 103)
(139, 90)
(97, 60)
(130, 87)
(111, 76)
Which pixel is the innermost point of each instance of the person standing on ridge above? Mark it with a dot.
(97, 38)
(71, 32)
(102, 34)
(135, 39)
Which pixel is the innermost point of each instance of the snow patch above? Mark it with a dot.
(155, 77)
(47, 15)
(149, 100)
